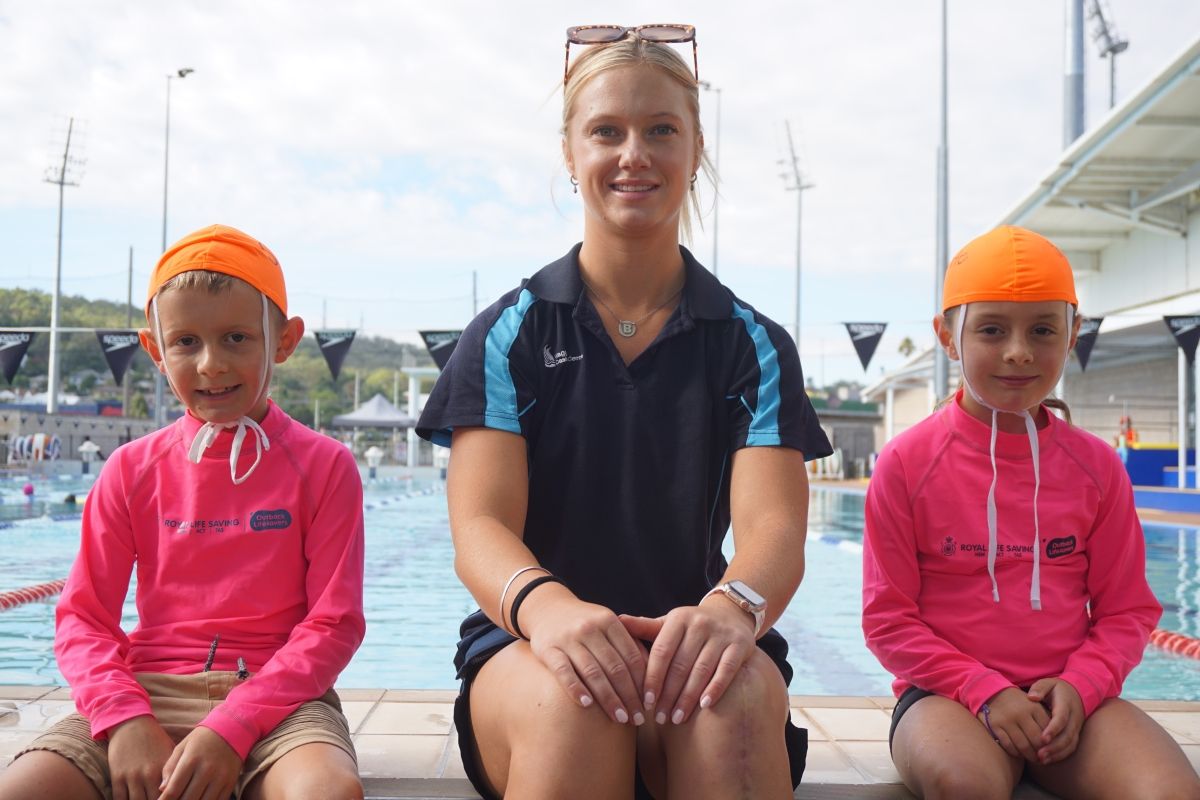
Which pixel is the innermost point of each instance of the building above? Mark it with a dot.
(1123, 203)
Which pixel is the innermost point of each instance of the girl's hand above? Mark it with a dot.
(697, 652)
(1016, 722)
(1061, 736)
(137, 750)
(202, 767)
(588, 650)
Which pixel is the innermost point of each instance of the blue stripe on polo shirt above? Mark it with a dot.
(499, 389)
(764, 420)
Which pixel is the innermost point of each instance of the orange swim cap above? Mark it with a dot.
(1008, 264)
(220, 248)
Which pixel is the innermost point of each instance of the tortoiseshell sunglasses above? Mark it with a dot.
(668, 33)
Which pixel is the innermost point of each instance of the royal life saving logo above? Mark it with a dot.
(1055, 548)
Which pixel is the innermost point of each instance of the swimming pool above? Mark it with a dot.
(414, 602)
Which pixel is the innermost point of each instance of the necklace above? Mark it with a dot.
(626, 327)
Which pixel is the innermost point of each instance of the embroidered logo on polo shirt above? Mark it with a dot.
(554, 359)
(273, 520)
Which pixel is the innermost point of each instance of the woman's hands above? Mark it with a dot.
(588, 651)
(697, 652)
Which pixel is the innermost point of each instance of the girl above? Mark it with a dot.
(1003, 566)
(609, 418)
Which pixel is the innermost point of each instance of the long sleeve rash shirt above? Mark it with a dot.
(928, 611)
(273, 565)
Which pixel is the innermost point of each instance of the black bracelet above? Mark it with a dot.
(520, 598)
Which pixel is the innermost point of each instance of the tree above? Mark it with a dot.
(906, 347)
(138, 407)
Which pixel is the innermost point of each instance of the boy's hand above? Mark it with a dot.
(1016, 722)
(1061, 736)
(203, 766)
(137, 750)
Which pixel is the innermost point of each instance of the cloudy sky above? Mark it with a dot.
(388, 150)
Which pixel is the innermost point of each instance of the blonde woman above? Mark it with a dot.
(609, 419)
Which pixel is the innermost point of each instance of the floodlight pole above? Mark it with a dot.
(160, 410)
(941, 362)
(59, 178)
(707, 86)
(1109, 42)
(796, 184)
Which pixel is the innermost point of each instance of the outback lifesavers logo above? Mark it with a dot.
(274, 520)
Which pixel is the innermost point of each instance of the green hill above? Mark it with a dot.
(298, 383)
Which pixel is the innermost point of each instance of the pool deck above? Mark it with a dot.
(407, 748)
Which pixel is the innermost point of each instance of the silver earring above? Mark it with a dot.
(693, 181)
(574, 185)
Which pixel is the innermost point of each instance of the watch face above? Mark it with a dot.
(745, 591)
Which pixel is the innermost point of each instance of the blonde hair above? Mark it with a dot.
(635, 51)
(215, 283)
(1056, 403)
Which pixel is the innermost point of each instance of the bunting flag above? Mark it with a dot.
(13, 345)
(1186, 331)
(440, 345)
(334, 346)
(865, 337)
(1089, 328)
(119, 346)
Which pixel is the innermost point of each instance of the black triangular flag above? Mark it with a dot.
(119, 346)
(334, 346)
(440, 345)
(1089, 328)
(1186, 331)
(13, 345)
(865, 337)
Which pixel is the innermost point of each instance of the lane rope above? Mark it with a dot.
(30, 594)
(1176, 643)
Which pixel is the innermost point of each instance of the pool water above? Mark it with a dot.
(415, 603)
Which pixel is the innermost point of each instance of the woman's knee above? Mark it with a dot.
(518, 694)
(757, 692)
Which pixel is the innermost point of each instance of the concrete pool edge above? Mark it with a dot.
(407, 747)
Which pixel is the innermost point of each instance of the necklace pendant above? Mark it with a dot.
(626, 328)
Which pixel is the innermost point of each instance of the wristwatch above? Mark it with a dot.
(745, 598)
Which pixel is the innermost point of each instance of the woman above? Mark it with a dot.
(609, 418)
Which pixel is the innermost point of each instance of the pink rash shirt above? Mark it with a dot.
(928, 612)
(274, 565)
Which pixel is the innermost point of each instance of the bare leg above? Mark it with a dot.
(43, 775)
(534, 742)
(316, 771)
(1122, 753)
(942, 751)
(732, 751)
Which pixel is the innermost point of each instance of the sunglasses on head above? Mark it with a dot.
(668, 33)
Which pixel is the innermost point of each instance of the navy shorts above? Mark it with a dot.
(483, 640)
(911, 695)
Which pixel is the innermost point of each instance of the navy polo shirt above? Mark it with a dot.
(628, 465)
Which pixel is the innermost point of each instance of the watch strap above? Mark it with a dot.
(759, 614)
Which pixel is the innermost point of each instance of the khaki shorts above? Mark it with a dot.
(180, 703)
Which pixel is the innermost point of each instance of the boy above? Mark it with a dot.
(249, 565)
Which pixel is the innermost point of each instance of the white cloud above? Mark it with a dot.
(387, 150)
